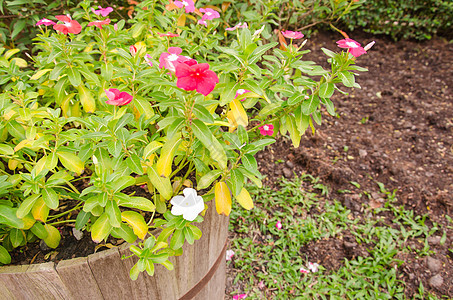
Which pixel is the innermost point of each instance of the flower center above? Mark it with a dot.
(241, 91)
(265, 127)
(352, 44)
(173, 57)
(209, 13)
(185, 3)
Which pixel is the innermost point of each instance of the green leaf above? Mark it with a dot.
(249, 162)
(50, 197)
(101, 228)
(6, 149)
(242, 135)
(82, 219)
(329, 106)
(293, 132)
(39, 230)
(53, 236)
(177, 239)
(302, 121)
(71, 161)
(114, 213)
(133, 162)
(188, 234)
(124, 232)
(347, 78)
(140, 203)
(205, 136)
(122, 182)
(203, 114)
(237, 182)
(26, 206)
(270, 109)
(326, 90)
(74, 76)
(196, 231)
(8, 217)
(162, 184)
(310, 105)
(16, 236)
(228, 93)
(328, 52)
(5, 258)
(206, 180)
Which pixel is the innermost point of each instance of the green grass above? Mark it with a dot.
(274, 257)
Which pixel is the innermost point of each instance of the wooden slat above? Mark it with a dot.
(110, 274)
(78, 279)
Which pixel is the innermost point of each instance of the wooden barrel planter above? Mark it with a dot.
(198, 274)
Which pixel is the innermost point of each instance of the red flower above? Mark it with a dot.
(99, 24)
(69, 26)
(169, 34)
(267, 129)
(292, 34)
(117, 98)
(196, 77)
(353, 47)
(133, 50)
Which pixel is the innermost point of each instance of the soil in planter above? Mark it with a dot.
(396, 130)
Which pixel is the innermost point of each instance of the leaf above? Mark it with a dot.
(86, 98)
(124, 232)
(26, 205)
(228, 93)
(134, 163)
(162, 184)
(326, 90)
(40, 210)
(5, 258)
(74, 76)
(16, 236)
(82, 219)
(239, 114)
(39, 230)
(6, 149)
(150, 149)
(188, 234)
(310, 105)
(302, 121)
(347, 78)
(205, 136)
(177, 239)
(20, 62)
(206, 180)
(203, 114)
(165, 161)
(122, 182)
(330, 107)
(293, 132)
(71, 161)
(137, 222)
(101, 228)
(114, 213)
(136, 202)
(8, 217)
(39, 74)
(244, 199)
(237, 181)
(50, 197)
(222, 198)
(53, 236)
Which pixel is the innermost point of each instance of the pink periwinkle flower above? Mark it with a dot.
(202, 22)
(102, 11)
(187, 4)
(229, 254)
(241, 92)
(99, 23)
(292, 34)
(168, 34)
(209, 14)
(353, 47)
(268, 129)
(69, 25)
(239, 296)
(45, 22)
(169, 60)
(115, 27)
(304, 271)
(313, 267)
(196, 77)
(148, 60)
(117, 98)
(237, 26)
(278, 225)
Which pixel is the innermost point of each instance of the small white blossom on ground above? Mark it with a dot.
(189, 205)
(229, 254)
(304, 271)
(313, 267)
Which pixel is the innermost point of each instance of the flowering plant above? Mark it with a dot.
(117, 123)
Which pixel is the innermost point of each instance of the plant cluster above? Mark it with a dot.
(398, 19)
(107, 125)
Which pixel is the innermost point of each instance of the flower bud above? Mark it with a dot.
(369, 45)
(133, 50)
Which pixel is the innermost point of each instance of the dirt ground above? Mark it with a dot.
(396, 130)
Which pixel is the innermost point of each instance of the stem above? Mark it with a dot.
(62, 222)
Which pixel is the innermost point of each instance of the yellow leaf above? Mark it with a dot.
(22, 144)
(12, 164)
(167, 154)
(137, 222)
(71, 161)
(101, 228)
(28, 222)
(222, 198)
(53, 238)
(86, 98)
(21, 63)
(181, 22)
(39, 74)
(40, 211)
(239, 114)
(40, 165)
(244, 199)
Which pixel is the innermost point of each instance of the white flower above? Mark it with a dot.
(229, 254)
(313, 267)
(189, 205)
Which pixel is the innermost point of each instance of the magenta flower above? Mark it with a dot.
(196, 77)
(304, 271)
(353, 47)
(268, 129)
(229, 254)
(169, 60)
(292, 34)
(169, 34)
(45, 22)
(239, 296)
(148, 60)
(202, 22)
(69, 25)
(117, 98)
(99, 23)
(237, 26)
(240, 92)
(102, 11)
(209, 14)
(278, 225)
(187, 4)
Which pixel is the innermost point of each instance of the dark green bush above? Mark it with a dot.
(404, 19)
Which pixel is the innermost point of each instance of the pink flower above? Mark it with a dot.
(133, 50)
(292, 34)
(196, 77)
(117, 98)
(278, 225)
(237, 26)
(313, 267)
(102, 11)
(69, 26)
(268, 129)
(209, 14)
(304, 271)
(148, 60)
(261, 285)
(187, 4)
(239, 296)
(202, 22)
(229, 254)
(353, 47)
(240, 92)
(45, 22)
(115, 27)
(169, 60)
(169, 34)
(99, 23)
